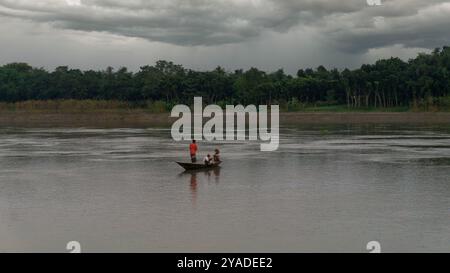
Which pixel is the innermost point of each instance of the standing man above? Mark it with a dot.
(193, 149)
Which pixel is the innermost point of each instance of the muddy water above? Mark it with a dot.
(327, 189)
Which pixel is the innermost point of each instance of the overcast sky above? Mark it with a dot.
(203, 34)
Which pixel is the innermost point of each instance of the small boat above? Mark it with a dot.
(194, 166)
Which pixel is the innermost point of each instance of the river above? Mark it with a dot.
(327, 189)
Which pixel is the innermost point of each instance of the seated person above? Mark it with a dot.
(216, 156)
(208, 160)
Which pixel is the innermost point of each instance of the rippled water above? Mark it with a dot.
(327, 189)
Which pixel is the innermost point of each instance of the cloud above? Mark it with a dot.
(396, 23)
(349, 25)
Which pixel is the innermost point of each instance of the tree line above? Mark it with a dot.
(424, 80)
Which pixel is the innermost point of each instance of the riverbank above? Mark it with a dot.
(142, 119)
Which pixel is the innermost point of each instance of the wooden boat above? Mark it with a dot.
(194, 166)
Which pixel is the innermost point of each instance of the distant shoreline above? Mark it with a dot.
(144, 119)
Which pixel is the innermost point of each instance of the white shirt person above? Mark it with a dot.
(207, 160)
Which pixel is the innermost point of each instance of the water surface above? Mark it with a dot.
(327, 189)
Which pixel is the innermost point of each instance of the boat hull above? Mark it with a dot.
(195, 167)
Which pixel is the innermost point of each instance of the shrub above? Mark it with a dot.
(294, 105)
(157, 106)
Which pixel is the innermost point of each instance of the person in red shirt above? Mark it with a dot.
(193, 149)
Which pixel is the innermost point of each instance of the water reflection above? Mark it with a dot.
(194, 187)
(194, 176)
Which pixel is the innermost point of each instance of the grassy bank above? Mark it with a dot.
(98, 114)
(71, 106)
(345, 109)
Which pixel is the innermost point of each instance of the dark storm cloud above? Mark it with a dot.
(425, 26)
(349, 25)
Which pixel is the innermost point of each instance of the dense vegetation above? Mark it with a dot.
(422, 83)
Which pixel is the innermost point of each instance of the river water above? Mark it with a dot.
(327, 189)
